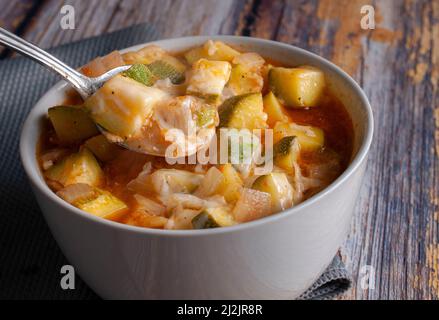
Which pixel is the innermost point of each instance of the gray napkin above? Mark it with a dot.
(30, 260)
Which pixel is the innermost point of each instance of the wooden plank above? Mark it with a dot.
(14, 16)
(266, 16)
(172, 18)
(91, 18)
(395, 228)
(13, 13)
(181, 18)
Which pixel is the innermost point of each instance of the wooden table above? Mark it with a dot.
(395, 229)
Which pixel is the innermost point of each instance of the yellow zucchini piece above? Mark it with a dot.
(278, 186)
(297, 87)
(212, 50)
(105, 205)
(81, 167)
(310, 138)
(212, 218)
(208, 78)
(123, 105)
(72, 124)
(243, 80)
(102, 148)
(243, 112)
(286, 152)
(273, 109)
(222, 216)
(232, 185)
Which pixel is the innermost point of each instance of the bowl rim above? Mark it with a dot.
(361, 156)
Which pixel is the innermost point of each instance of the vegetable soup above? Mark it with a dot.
(116, 155)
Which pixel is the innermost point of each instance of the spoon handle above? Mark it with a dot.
(76, 79)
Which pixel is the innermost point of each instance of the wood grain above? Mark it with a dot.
(395, 228)
(171, 18)
(15, 16)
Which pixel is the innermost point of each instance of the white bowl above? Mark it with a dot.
(277, 257)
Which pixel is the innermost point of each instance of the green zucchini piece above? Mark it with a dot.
(243, 112)
(162, 70)
(278, 186)
(204, 221)
(72, 124)
(205, 117)
(81, 167)
(286, 152)
(102, 148)
(105, 205)
(141, 73)
(213, 218)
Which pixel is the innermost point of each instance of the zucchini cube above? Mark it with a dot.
(81, 167)
(297, 87)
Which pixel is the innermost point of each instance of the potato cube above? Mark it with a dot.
(297, 87)
(209, 77)
(123, 105)
(310, 138)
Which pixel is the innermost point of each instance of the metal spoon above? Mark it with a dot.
(84, 85)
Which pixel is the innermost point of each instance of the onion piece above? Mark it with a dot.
(181, 218)
(77, 192)
(143, 219)
(165, 182)
(49, 158)
(250, 60)
(211, 183)
(189, 201)
(142, 181)
(150, 206)
(252, 205)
